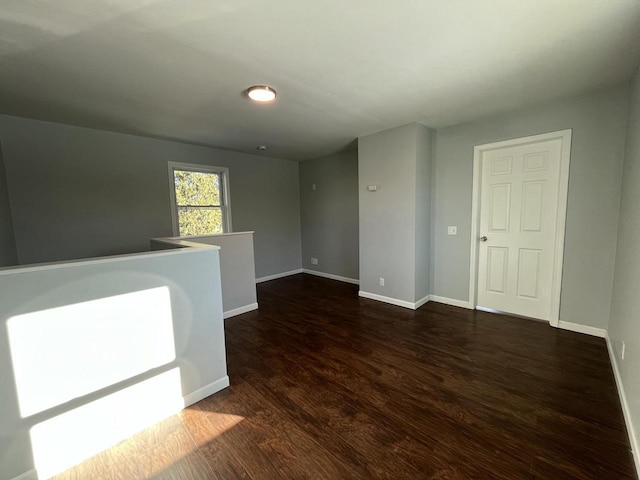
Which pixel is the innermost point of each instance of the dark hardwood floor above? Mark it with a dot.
(328, 385)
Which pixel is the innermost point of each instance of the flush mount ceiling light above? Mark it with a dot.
(261, 93)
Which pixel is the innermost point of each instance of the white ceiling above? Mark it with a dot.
(342, 69)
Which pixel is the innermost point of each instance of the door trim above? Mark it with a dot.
(563, 191)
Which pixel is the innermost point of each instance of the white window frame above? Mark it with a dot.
(225, 195)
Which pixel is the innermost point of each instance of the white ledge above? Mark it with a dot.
(194, 237)
(108, 259)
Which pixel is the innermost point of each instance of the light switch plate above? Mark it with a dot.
(451, 230)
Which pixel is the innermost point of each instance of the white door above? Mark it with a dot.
(519, 235)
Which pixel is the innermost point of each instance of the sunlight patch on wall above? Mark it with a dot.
(70, 438)
(66, 352)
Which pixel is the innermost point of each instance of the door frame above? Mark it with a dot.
(565, 156)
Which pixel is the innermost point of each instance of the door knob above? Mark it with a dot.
(483, 239)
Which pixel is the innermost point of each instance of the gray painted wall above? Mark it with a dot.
(598, 121)
(8, 253)
(396, 160)
(423, 211)
(329, 214)
(624, 325)
(78, 192)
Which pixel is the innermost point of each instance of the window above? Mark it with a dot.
(199, 199)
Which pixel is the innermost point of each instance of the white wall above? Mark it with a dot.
(237, 270)
(598, 121)
(624, 325)
(90, 349)
(78, 193)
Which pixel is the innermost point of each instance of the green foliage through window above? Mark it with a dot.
(198, 198)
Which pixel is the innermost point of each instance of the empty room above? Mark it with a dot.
(303, 239)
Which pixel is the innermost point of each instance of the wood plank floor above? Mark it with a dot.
(328, 385)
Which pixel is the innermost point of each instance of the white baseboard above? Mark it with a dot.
(331, 276)
(576, 327)
(278, 275)
(451, 301)
(205, 391)
(394, 301)
(633, 439)
(422, 301)
(240, 310)
(28, 475)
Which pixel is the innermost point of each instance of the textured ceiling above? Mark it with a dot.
(177, 69)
